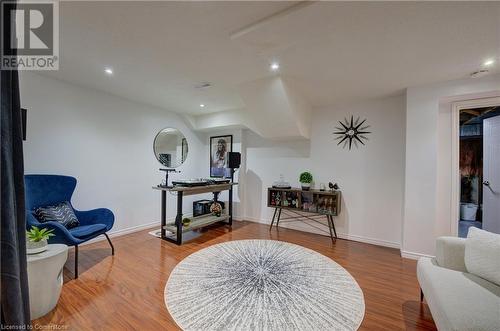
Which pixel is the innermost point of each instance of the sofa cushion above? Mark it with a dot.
(450, 252)
(85, 231)
(458, 300)
(482, 254)
(61, 212)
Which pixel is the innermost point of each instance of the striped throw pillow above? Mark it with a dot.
(62, 213)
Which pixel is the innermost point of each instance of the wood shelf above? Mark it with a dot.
(197, 189)
(198, 222)
(312, 199)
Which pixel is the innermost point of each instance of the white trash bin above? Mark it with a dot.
(468, 211)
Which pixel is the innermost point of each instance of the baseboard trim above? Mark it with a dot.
(122, 232)
(366, 240)
(413, 255)
(369, 240)
(351, 237)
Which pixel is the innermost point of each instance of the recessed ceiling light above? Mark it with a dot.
(274, 66)
(202, 105)
(109, 71)
(489, 62)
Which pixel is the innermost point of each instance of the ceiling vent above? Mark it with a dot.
(479, 73)
(203, 85)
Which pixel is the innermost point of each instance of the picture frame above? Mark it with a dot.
(219, 148)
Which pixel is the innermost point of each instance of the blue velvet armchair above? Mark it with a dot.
(45, 190)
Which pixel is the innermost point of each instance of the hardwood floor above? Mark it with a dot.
(125, 291)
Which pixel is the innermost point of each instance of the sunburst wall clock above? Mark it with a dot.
(352, 132)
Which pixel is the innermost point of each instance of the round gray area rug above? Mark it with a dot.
(262, 285)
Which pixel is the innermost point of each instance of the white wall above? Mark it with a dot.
(371, 177)
(428, 160)
(105, 142)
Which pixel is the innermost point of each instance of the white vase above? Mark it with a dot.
(305, 186)
(34, 247)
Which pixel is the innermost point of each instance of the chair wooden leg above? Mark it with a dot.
(76, 261)
(110, 244)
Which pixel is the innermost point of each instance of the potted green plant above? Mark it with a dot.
(186, 222)
(305, 180)
(36, 239)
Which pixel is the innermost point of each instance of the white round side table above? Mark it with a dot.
(45, 278)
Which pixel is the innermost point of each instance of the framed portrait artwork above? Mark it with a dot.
(219, 147)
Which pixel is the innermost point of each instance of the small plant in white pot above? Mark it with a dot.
(305, 180)
(36, 239)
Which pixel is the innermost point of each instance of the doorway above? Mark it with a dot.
(479, 168)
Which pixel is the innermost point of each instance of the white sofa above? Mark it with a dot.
(458, 300)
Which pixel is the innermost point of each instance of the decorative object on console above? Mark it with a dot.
(351, 131)
(305, 180)
(36, 239)
(333, 187)
(281, 183)
(309, 290)
(219, 148)
(216, 209)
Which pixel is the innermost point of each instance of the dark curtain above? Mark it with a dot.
(14, 279)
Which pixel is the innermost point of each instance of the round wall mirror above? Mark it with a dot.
(170, 147)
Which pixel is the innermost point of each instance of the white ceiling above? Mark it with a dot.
(331, 51)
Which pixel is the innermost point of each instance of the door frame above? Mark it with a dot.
(455, 152)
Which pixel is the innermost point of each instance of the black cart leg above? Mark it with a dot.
(231, 203)
(333, 227)
(272, 221)
(163, 212)
(76, 261)
(110, 244)
(178, 218)
(330, 227)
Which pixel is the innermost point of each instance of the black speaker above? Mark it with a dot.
(234, 159)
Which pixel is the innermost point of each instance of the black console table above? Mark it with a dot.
(196, 222)
(300, 201)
